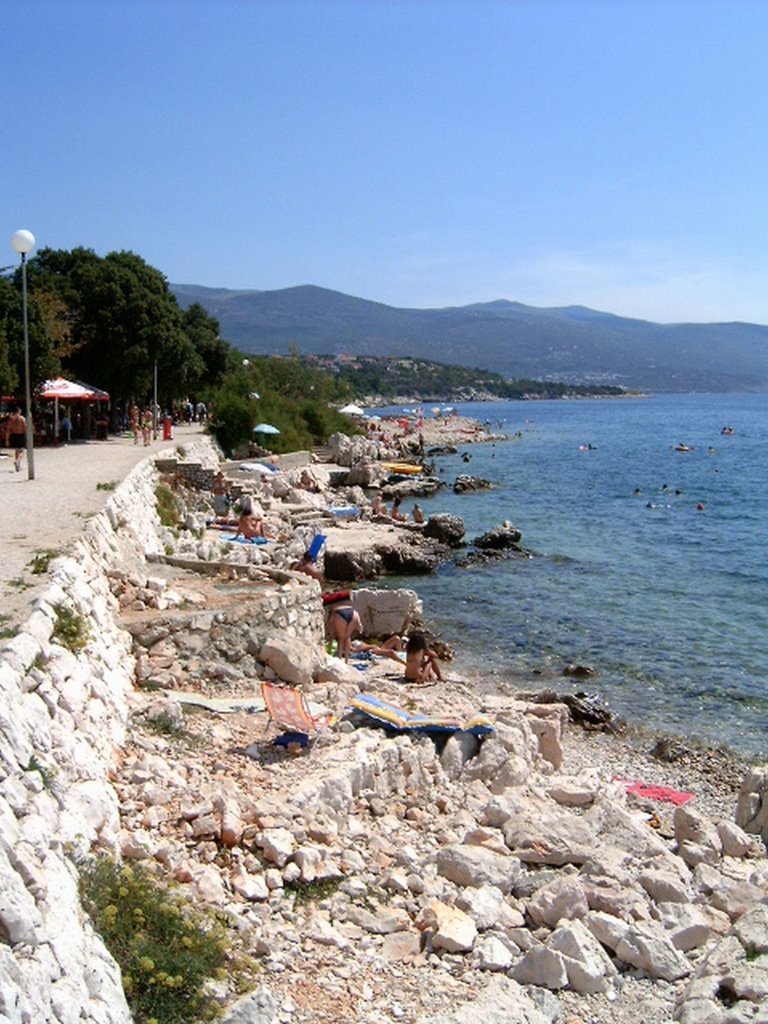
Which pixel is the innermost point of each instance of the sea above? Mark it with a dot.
(646, 526)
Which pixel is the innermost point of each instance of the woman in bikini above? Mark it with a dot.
(343, 623)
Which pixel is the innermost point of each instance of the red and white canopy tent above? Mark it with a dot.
(62, 390)
(65, 390)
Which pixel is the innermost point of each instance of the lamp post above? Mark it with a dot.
(23, 242)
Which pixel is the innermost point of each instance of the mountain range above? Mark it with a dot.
(570, 343)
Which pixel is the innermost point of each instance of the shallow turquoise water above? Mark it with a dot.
(667, 603)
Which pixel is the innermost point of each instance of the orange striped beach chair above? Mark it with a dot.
(287, 707)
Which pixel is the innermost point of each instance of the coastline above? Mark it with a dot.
(245, 827)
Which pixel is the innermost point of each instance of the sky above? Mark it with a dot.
(428, 153)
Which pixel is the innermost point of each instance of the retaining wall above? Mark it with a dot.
(63, 715)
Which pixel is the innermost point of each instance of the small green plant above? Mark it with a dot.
(181, 451)
(165, 724)
(752, 952)
(70, 629)
(110, 485)
(46, 774)
(41, 562)
(166, 949)
(313, 892)
(168, 508)
(19, 583)
(6, 629)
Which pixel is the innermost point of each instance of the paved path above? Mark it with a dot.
(48, 513)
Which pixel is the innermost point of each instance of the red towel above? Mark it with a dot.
(653, 792)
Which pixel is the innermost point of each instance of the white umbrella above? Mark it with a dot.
(352, 410)
(265, 428)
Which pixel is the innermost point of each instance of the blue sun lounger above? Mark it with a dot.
(395, 719)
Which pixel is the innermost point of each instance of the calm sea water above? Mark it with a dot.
(668, 603)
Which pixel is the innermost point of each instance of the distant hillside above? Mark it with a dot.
(571, 343)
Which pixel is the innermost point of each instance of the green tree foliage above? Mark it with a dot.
(293, 396)
(44, 359)
(9, 376)
(216, 356)
(124, 320)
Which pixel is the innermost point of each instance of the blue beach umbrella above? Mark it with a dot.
(265, 428)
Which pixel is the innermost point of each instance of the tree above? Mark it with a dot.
(216, 356)
(43, 357)
(123, 321)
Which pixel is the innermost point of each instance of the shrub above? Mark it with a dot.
(166, 949)
(70, 629)
(168, 508)
(41, 562)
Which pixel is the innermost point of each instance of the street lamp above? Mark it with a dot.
(23, 242)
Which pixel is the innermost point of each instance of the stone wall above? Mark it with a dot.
(62, 716)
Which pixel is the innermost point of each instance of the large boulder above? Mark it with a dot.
(293, 661)
(752, 808)
(446, 529)
(468, 865)
(500, 538)
(383, 612)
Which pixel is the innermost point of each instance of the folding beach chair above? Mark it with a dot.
(287, 707)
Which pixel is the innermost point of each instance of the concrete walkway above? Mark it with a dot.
(48, 513)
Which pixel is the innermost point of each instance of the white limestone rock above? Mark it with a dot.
(19, 917)
(469, 865)
(588, 966)
(562, 899)
(607, 929)
(736, 842)
(686, 925)
(646, 946)
(752, 806)
(449, 928)
(752, 929)
(483, 904)
(277, 845)
(292, 661)
(696, 836)
(541, 966)
(664, 886)
(492, 955)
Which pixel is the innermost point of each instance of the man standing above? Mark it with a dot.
(17, 435)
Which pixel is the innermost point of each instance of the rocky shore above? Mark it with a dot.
(536, 874)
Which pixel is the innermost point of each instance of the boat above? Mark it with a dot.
(404, 468)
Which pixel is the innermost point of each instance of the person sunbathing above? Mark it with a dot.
(251, 527)
(308, 566)
(421, 664)
(388, 648)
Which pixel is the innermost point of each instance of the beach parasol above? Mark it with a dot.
(352, 410)
(59, 389)
(265, 428)
(71, 391)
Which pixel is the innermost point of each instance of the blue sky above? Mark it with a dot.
(606, 153)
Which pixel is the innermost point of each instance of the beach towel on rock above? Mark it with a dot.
(651, 791)
(377, 711)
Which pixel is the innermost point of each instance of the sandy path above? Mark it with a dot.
(48, 513)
